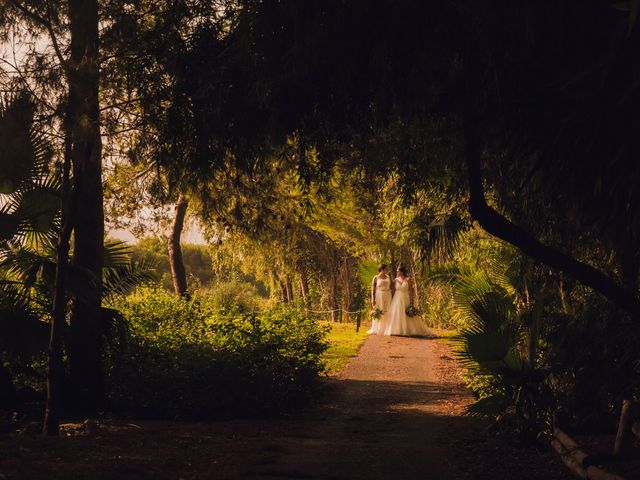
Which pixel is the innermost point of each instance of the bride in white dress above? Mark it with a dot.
(397, 322)
(380, 298)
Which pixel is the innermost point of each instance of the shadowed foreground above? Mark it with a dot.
(393, 413)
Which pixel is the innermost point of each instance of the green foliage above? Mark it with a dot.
(231, 294)
(197, 262)
(30, 206)
(497, 345)
(188, 359)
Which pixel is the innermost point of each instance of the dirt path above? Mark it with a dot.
(393, 413)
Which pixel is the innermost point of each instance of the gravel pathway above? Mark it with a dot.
(396, 413)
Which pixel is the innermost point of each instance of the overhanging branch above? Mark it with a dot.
(499, 226)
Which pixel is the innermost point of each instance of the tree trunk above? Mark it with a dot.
(413, 272)
(86, 156)
(624, 437)
(178, 273)
(346, 297)
(283, 291)
(629, 413)
(333, 292)
(58, 317)
(289, 289)
(393, 265)
(497, 225)
(304, 287)
(564, 301)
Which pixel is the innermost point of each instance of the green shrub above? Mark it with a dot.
(232, 294)
(187, 359)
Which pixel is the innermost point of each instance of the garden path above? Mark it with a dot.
(395, 412)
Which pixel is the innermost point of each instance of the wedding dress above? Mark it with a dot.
(397, 322)
(383, 301)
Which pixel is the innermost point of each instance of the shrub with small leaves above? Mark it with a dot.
(186, 359)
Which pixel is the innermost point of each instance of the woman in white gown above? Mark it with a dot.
(397, 322)
(380, 298)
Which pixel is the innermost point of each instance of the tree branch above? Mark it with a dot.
(495, 224)
(46, 23)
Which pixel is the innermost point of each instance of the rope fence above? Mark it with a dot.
(358, 314)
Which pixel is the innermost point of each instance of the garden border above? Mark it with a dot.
(576, 459)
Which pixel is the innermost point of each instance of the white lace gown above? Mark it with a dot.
(383, 302)
(398, 323)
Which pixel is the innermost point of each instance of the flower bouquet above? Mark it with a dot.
(412, 311)
(376, 313)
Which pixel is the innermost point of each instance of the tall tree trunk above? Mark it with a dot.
(283, 291)
(86, 156)
(624, 436)
(54, 359)
(289, 289)
(333, 289)
(178, 273)
(346, 297)
(630, 409)
(564, 301)
(304, 286)
(413, 272)
(393, 265)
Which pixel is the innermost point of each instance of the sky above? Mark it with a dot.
(192, 234)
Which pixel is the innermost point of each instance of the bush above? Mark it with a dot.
(188, 359)
(232, 294)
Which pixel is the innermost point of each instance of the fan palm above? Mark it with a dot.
(491, 343)
(30, 203)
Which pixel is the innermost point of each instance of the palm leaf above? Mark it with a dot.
(123, 279)
(490, 406)
(22, 333)
(19, 154)
(114, 327)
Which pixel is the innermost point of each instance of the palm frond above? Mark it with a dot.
(114, 327)
(116, 254)
(22, 157)
(438, 237)
(22, 332)
(121, 280)
(25, 265)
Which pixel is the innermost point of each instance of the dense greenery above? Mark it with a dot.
(188, 358)
(312, 140)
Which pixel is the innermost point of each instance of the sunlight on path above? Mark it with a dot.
(381, 423)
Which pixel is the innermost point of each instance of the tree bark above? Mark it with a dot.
(497, 225)
(624, 437)
(283, 291)
(413, 272)
(393, 265)
(58, 317)
(629, 413)
(564, 300)
(86, 156)
(304, 287)
(333, 291)
(289, 289)
(346, 298)
(176, 262)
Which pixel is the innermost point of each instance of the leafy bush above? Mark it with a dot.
(232, 294)
(188, 359)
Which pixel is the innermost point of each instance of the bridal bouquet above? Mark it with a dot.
(376, 313)
(412, 311)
